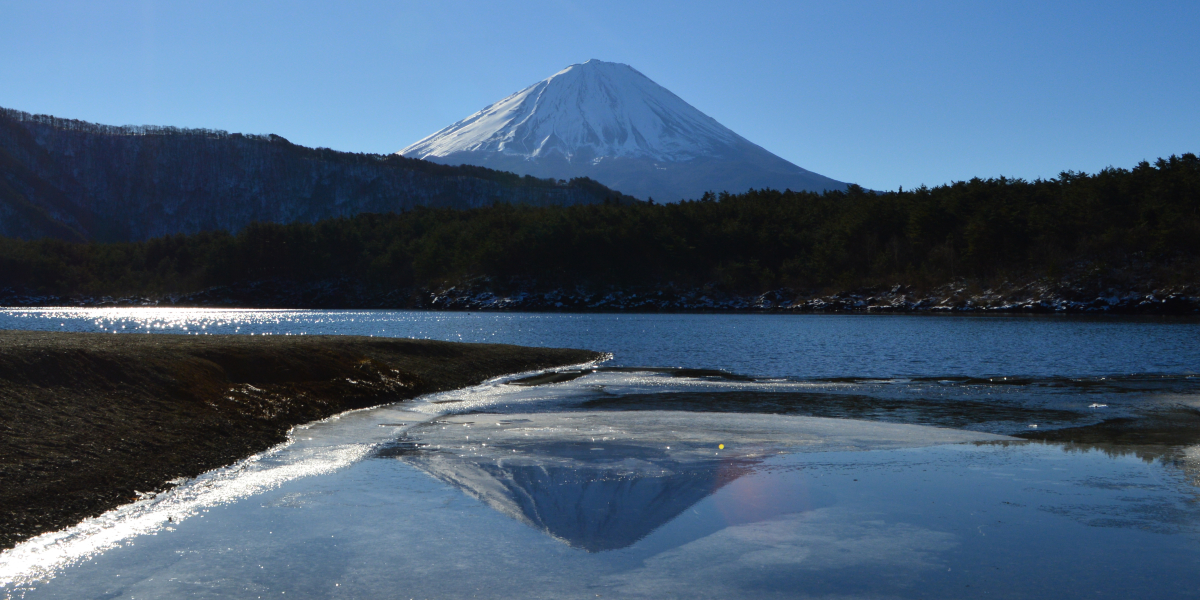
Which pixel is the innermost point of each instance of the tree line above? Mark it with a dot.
(759, 240)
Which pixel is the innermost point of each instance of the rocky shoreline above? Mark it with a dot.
(951, 298)
(1061, 296)
(91, 421)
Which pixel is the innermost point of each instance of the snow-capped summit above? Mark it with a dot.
(597, 108)
(609, 122)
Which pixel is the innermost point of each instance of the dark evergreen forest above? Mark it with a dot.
(987, 229)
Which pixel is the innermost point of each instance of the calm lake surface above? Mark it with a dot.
(827, 456)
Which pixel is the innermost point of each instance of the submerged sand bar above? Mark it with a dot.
(89, 421)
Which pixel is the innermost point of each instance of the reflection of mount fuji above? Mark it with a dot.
(592, 496)
(602, 480)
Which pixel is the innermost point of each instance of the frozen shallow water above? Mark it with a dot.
(408, 501)
(863, 457)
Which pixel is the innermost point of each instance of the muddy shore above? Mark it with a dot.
(87, 421)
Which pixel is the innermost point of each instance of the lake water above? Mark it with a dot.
(830, 456)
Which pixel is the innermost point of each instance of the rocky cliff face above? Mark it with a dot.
(80, 181)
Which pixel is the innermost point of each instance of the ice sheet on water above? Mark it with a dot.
(498, 394)
(602, 481)
(332, 444)
(682, 435)
(314, 449)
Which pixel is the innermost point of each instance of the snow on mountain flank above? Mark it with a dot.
(609, 122)
(607, 108)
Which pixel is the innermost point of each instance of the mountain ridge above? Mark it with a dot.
(79, 181)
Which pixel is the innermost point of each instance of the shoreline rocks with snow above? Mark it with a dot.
(960, 297)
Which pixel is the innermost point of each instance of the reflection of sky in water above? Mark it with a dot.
(785, 509)
(933, 522)
(359, 506)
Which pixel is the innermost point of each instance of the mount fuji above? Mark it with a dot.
(609, 122)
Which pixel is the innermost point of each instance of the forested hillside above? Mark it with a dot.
(1142, 221)
(79, 181)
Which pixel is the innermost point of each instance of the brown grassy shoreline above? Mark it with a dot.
(87, 420)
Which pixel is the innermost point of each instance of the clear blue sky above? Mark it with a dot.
(884, 94)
